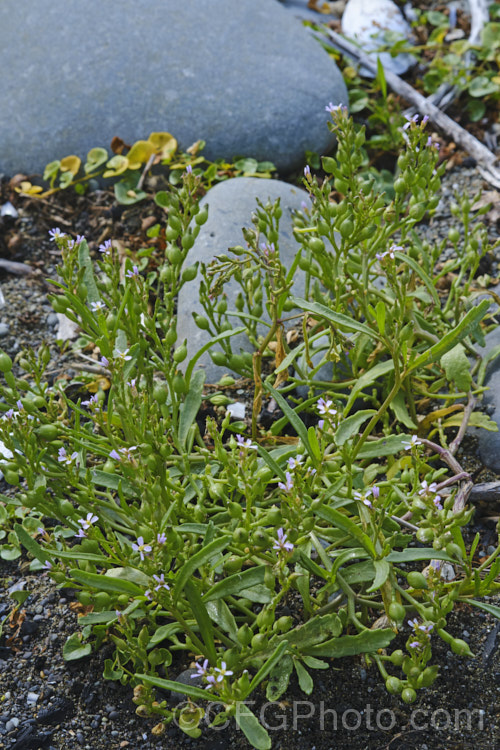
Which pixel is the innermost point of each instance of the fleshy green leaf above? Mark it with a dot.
(279, 678)
(236, 583)
(350, 645)
(200, 558)
(191, 404)
(350, 426)
(74, 649)
(457, 367)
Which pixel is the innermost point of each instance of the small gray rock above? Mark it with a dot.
(186, 678)
(245, 77)
(4, 329)
(231, 204)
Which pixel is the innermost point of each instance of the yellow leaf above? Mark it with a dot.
(26, 188)
(116, 165)
(71, 164)
(140, 153)
(165, 145)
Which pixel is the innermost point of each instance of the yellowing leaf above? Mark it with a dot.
(26, 188)
(476, 419)
(71, 164)
(117, 165)
(165, 145)
(140, 153)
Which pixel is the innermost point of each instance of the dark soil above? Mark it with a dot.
(46, 702)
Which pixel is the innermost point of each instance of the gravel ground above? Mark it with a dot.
(48, 703)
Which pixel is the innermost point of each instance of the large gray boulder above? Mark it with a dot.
(231, 205)
(245, 77)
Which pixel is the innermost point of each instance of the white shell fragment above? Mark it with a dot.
(67, 329)
(236, 410)
(373, 24)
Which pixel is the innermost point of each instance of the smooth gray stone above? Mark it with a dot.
(245, 77)
(231, 205)
(489, 442)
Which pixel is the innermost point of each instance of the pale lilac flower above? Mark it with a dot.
(413, 442)
(415, 644)
(131, 383)
(120, 616)
(141, 547)
(19, 404)
(424, 120)
(331, 108)
(307, 172)
(363, 496)
(79, 238)
(321, 424)
(81, 534)
(325, 408)
(88, 521)
(122, 356)
(104, 361)
(304, 206)
(428, 488)
(92, 402)
(123, 453)
(133, 274)
(64, 458)
(211, 681)
(437, 502)
(189, 169)
(161, 538)
(242, 443)
(98, 306)
(293, 463)
(148, 594)
(426, 628)
(410, 120)
(288, 485)
(160, 580)
(47, 565)
(375, 492)
(106, 247)
(413, 623)
(41, 531)
(281, 542)
(70, 243)
(223, 671)
(56, 234)
(202, 669)
(310, 472)
(436, 564)
(8, 414)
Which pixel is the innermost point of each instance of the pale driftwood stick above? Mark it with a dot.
(488, 492)
(484, 157)
(471, 402)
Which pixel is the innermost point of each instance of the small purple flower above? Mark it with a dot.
(88, 521)
(81, 534)
(79, 238)
(363, 497)
(47, 565)
(428, 488)
(120, 616)
(437, 502)
(92, 402)
(133, 274)
(202, 669)
(321, 424)
(123, 453)
(56, 234)
(294, 463)
(211, 681)
(98, 306)
(19, 404)
(161, 538)
(8, 414)
(131, 383)
(223, 671)
(189, 169)
(281, 542)
(410, 120)
(122, 356)
(242, 443)
(104, 361)
(415, 644)
(160, 580)
(64, 458)
(141, 547)
(325, 408)
(331, 108)
(375, 492)
(106, 247)
(413, 443)
(307, 172)
(424, 120)
(288, 485)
